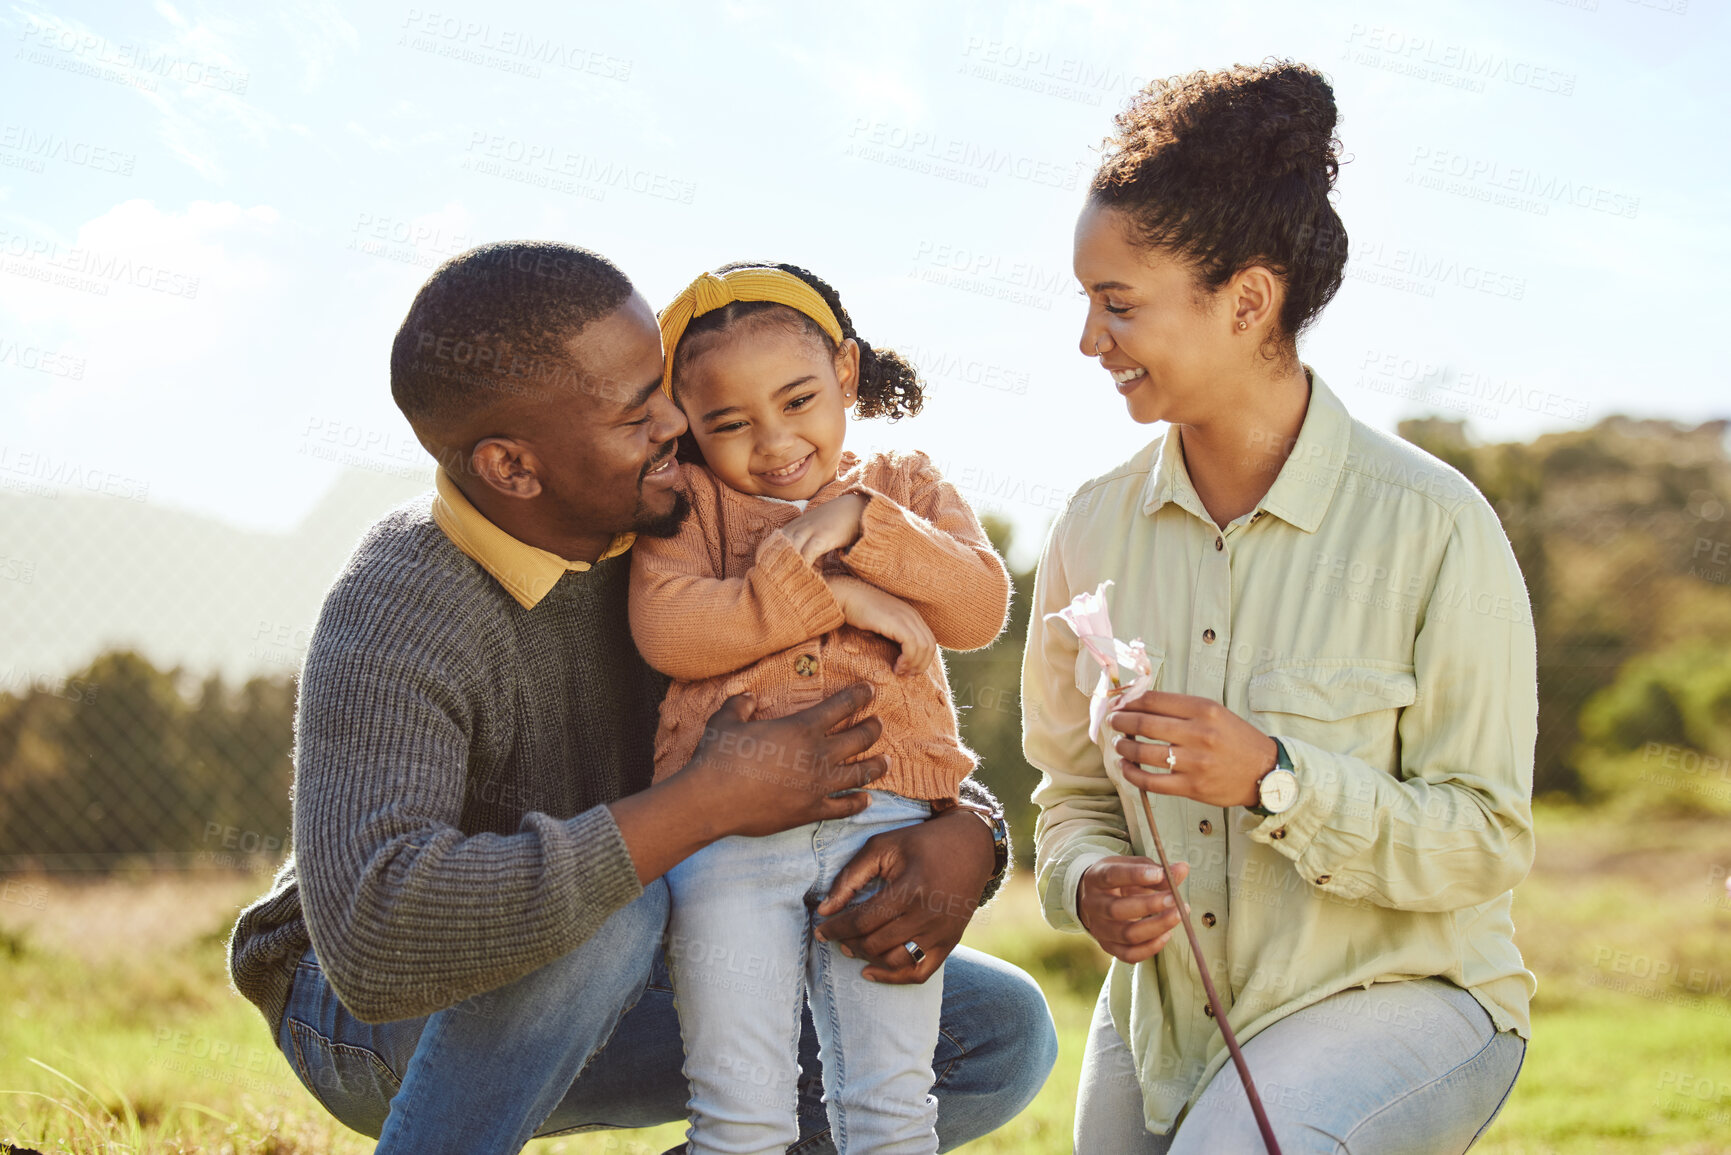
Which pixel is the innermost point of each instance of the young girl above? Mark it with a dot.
(801, 570)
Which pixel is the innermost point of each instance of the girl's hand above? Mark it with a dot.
(830, 526)
(1123, 903)
(866, 607)
(1218, 757)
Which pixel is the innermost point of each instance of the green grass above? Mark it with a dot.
(118, 1032)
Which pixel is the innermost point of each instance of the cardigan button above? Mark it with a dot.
(1277, 833)
(1208, 1009)
(1208, 919)
(805, 665)
(1205, 826)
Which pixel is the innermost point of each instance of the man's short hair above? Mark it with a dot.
(492, 322)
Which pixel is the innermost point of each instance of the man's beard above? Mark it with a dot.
(658, 525)
(646, 524)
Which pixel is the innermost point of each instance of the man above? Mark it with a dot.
(463, 950)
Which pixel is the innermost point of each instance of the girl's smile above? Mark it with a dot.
(768, 407)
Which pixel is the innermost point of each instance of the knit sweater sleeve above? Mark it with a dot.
(408, 914)
(929, 550)
(692, 625)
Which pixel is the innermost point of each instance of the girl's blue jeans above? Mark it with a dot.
(744, 964)
(590, 1041)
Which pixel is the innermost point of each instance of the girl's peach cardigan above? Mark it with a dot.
(728, 605)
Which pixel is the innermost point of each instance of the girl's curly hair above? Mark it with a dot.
(889, 385)
(1234, 168)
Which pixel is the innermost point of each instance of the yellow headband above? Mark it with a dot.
(711, 291)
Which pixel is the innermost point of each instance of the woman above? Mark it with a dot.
(1344, 705)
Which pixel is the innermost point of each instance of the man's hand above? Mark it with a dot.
(833, 525)
(753, 778)
(866, 607)
(1123, 903)
(766, 777)
(933, 873)
(1218, 757)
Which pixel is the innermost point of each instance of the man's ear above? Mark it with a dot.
(507, 465)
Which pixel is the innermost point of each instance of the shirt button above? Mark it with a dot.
(1205, 826)
(1208, 636)
(805, 665)
(1277, 833)
(1208, 1009)
(1208, 920)
(1219, 543)
(1323, 881)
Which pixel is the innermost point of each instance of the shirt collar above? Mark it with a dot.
(1300, 494)
(526, 572)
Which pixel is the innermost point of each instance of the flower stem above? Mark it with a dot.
(1268, 1139)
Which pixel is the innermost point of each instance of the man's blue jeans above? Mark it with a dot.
(591, 1041)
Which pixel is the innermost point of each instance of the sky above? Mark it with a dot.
(213, 217)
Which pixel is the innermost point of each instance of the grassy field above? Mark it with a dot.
(118, 1032)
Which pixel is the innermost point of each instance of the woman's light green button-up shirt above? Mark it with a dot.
(1370, 614)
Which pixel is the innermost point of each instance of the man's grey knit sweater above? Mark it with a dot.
(454, 753)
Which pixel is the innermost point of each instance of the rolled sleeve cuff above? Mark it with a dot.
(1323, 796)
(1060, 908)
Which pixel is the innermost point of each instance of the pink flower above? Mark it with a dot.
(1086, 614)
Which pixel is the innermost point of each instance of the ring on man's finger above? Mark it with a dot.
(914, 951)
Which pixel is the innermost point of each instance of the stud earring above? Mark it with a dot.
(1243, 325)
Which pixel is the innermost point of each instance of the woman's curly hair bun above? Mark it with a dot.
(1234, 168)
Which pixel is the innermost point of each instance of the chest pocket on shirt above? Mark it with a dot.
(1344, 705)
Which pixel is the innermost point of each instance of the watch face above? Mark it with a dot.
(1279, 790)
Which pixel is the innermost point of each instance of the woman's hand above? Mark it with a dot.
(1217, 757)
(1123, 903)
(866, 607)
(933, 874)
(830, 526)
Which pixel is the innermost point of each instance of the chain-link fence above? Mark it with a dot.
(147, 666)
(147, 657)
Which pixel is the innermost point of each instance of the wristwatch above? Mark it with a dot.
(1276, 790)
(993, 817)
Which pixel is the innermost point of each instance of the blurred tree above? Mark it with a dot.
(117, 761)
(1608, 524)
(987, 686)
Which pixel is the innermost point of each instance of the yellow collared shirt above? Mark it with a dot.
(1370, 614)
(526, 572)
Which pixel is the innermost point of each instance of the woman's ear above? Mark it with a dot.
(1255, 295)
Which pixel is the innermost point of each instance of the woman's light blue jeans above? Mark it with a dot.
(744, 962)
(1408, 1068)
(590, 1042)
